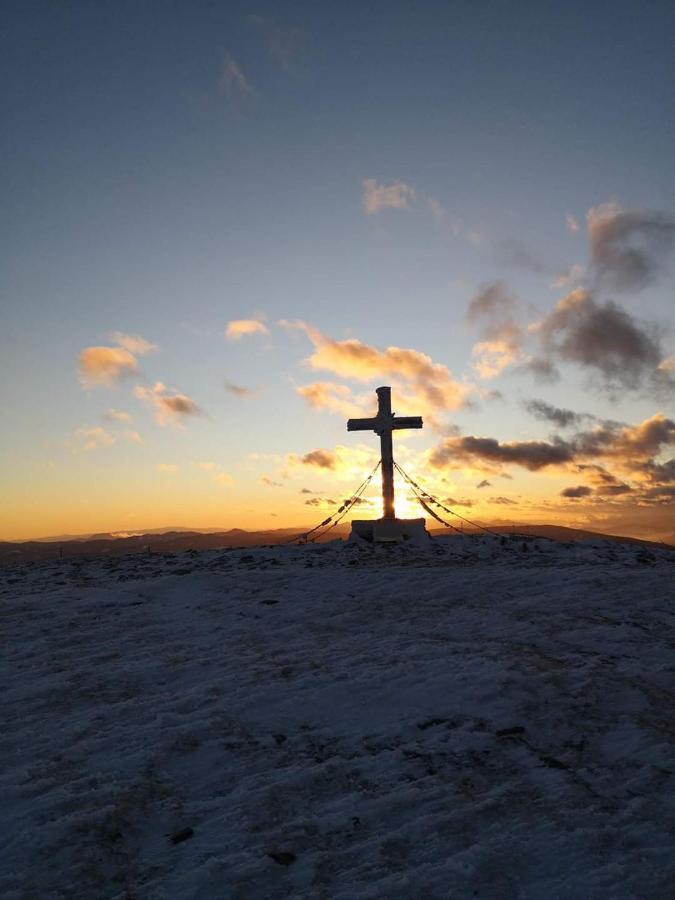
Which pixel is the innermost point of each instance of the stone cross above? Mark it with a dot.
(383, 424)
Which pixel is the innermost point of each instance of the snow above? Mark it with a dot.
(341, 721)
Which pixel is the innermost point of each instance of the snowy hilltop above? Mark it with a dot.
(485, 717)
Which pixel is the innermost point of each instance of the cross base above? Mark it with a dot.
(390, 531)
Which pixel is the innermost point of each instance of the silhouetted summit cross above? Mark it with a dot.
(383, 424)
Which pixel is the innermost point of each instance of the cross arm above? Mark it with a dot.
(407, 422)
(362, 424)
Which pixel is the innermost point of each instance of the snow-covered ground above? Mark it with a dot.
(340, 721)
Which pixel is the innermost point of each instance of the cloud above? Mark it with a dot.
(572, 223)
(603, 338)
(450, 501)
(542, 369)
(167, 468)
(483, 484)
(133, 437)
(435, 208)
(636, 451)
(532, 455)
(422, 386)
(286, 43)
(219, 477)
(491, 306)
(238, 328)
(503, 501)
(491, 358)
(563, 418)
(581, 490)
(328, 395)
(493, 310)
(269, 483)
(117, 415)
(170, 409)
(513, 252)
(320, 501)
(233, 81)
(628, 248)
(393, 196)
(94, 437)
(628, 442)
(238, 391)
(306, 491)
(349, 464)
(572, 278)
(324, 459)
(616, 349)
(134, 343)
(105, 366)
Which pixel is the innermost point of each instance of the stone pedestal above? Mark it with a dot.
(389, 531)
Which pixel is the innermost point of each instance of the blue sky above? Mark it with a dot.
(171, 167)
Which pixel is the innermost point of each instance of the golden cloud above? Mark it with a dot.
(333, 397)
(134, 343)
(423, 386)
(239, 328)
(105, 366)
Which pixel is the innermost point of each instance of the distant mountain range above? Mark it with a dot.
(177, 540)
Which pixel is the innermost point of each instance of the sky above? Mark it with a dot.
(225, 224)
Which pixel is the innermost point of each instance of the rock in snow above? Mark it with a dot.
(467, 720)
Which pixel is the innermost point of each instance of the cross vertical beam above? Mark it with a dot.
(383, 424)
(386, 452)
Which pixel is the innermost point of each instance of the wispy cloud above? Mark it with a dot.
(563, 418)
(328, 395)
(134, 343)
(628, 248)
(377, 197)
(117, 415)
(493, 309)
(239, 328)
(572, 223)
(93, 437)
(238, 391)
(286, 43)
(167, 468)
(170, 409)
(233, 81)
(269, 482)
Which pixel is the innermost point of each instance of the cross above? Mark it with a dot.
(383, 424)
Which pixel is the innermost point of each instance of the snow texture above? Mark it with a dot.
(483, 718)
